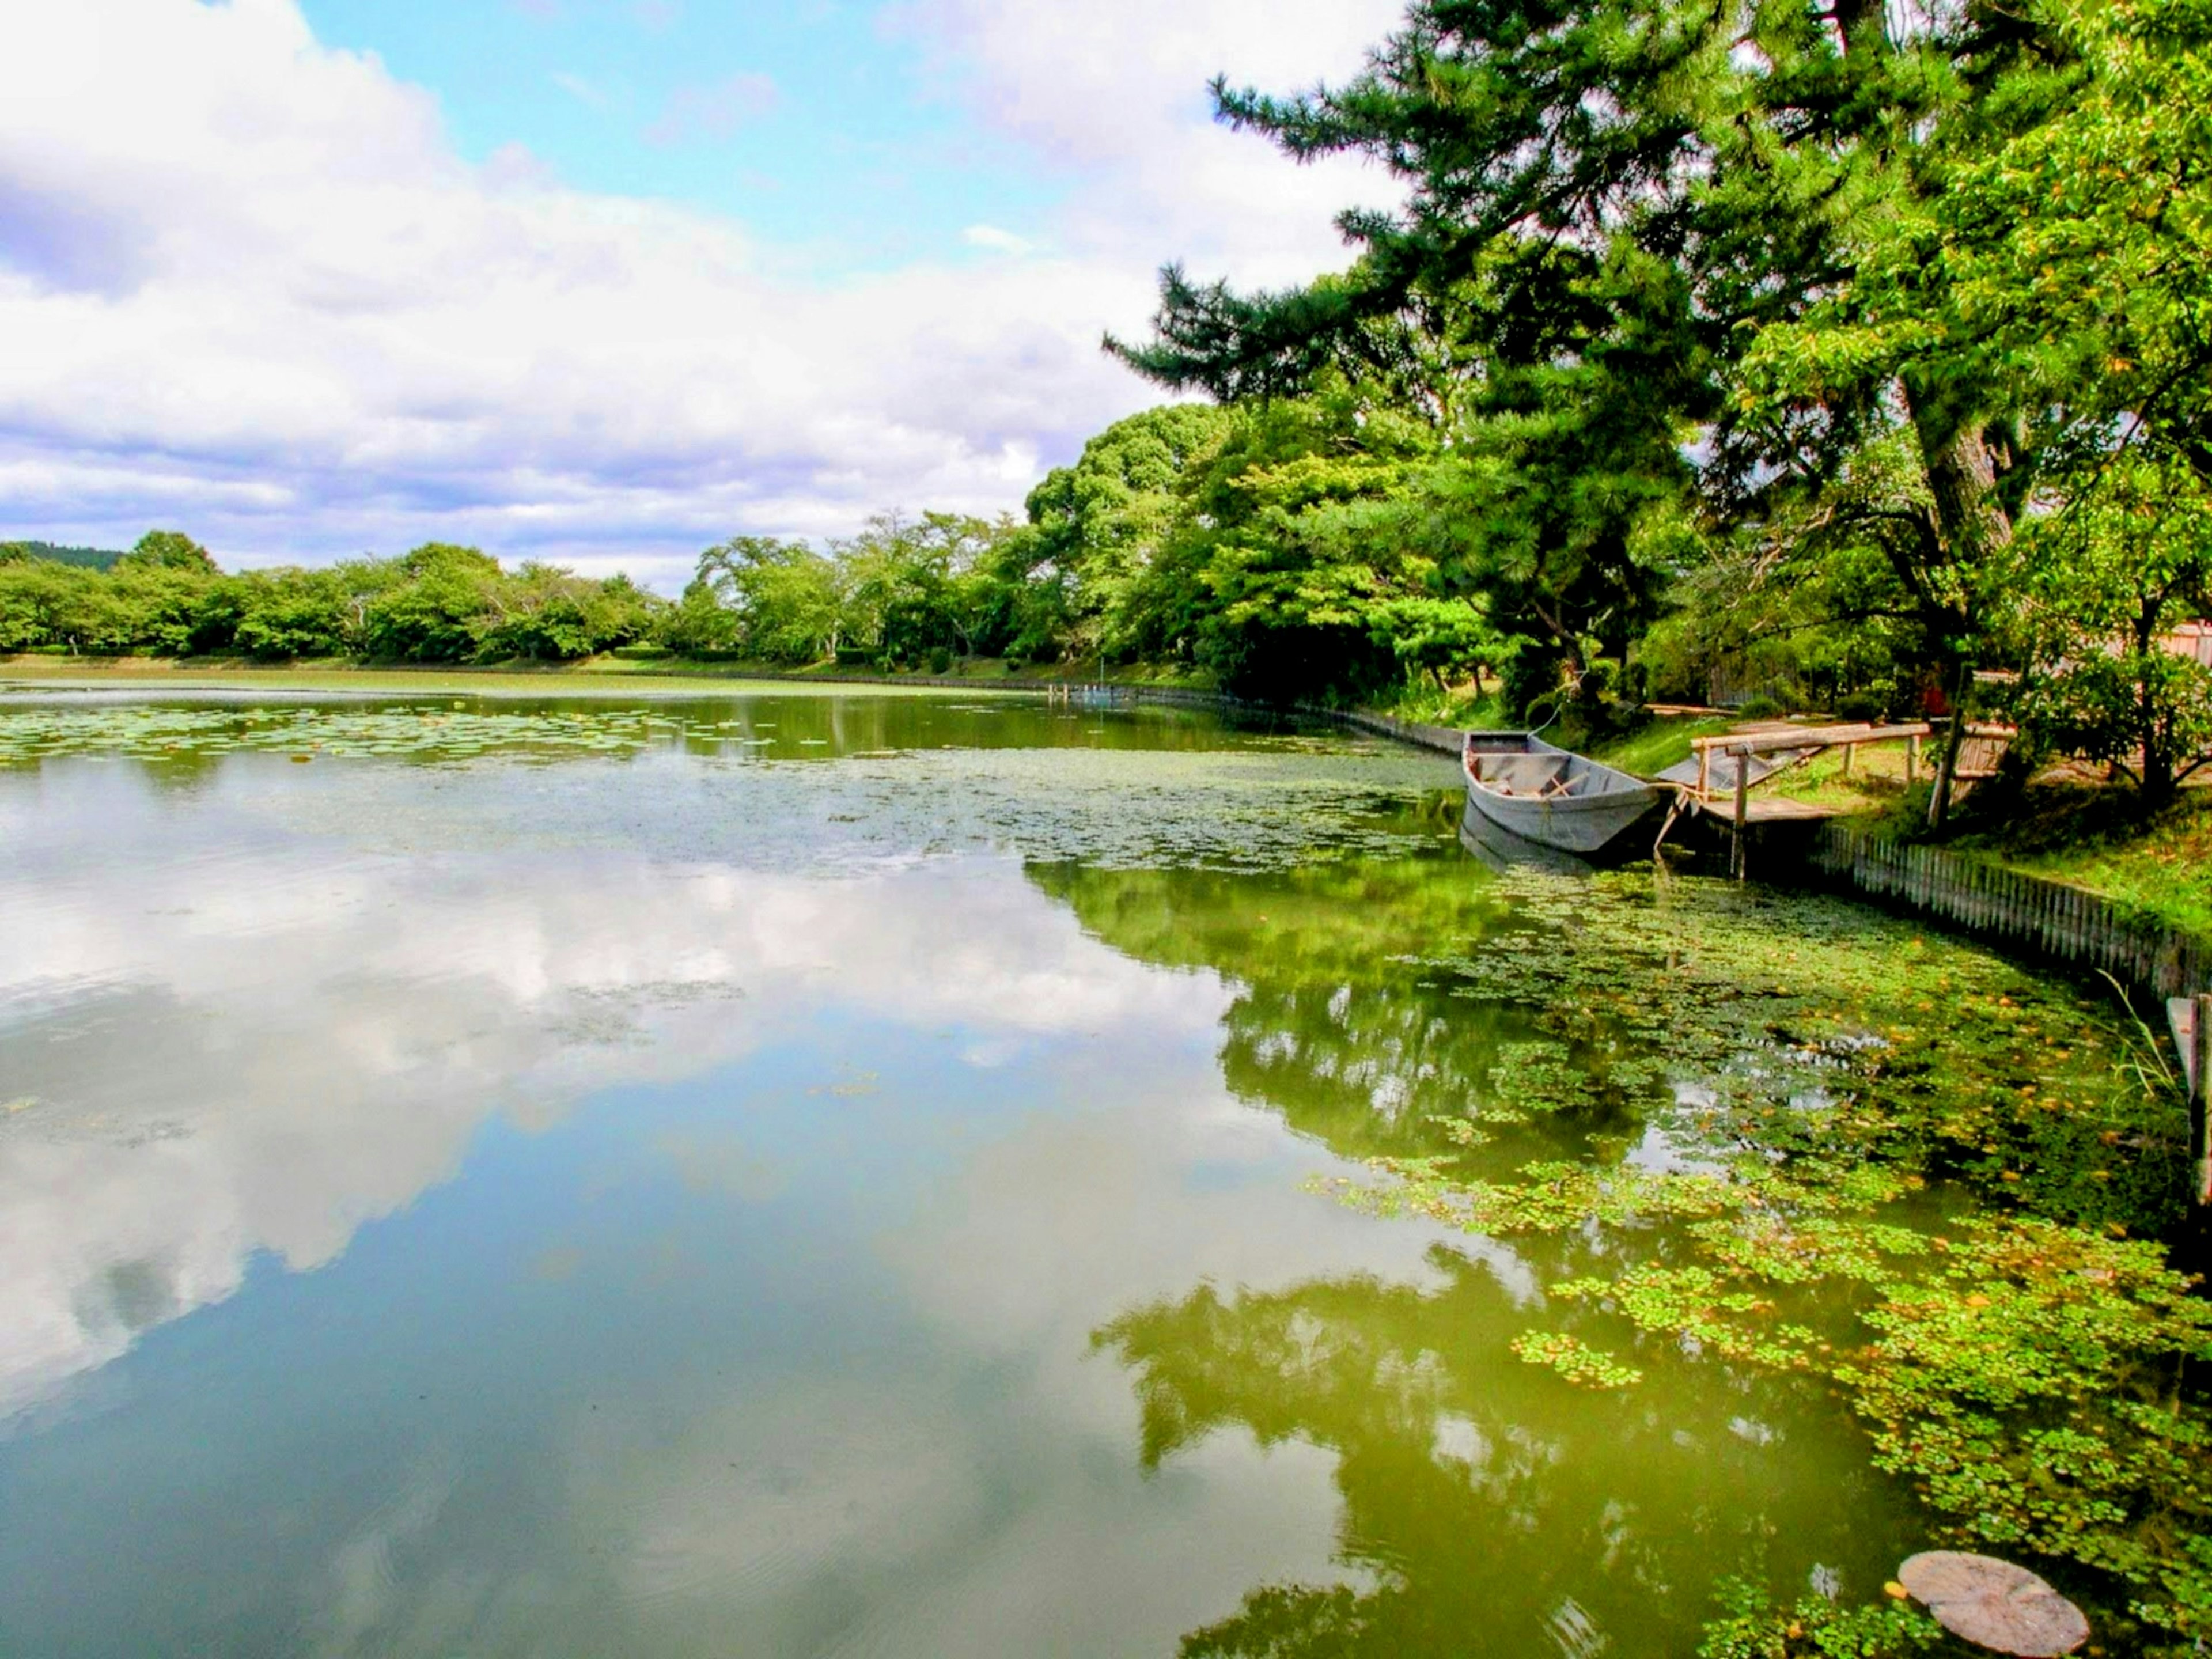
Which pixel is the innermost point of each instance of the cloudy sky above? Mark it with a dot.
(605, 280)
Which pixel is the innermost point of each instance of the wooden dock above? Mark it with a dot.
(1759, 820)
(1717, 782)
(1776, 808)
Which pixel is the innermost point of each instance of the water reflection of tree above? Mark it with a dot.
(1336, 1024)
(1331, 1026)
(1489, 1507)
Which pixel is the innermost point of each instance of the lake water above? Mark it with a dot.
(798, 1174)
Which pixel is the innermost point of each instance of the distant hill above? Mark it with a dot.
(92, 558)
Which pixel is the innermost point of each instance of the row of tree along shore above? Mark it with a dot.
(1841, 354)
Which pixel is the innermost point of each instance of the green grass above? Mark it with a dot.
(1665, 742)
(1463, 706)
(2096, 837)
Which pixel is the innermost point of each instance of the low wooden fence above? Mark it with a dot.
(2060, 922)
(1447, 739)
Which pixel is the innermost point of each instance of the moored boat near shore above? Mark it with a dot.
(1551, 796)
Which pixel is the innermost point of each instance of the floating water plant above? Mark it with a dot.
(1994, 1604)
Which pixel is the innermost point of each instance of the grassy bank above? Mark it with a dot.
(2067, 826)
(2094, 836)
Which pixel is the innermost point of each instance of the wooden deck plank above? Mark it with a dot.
(1766, 808)
(1774, 807)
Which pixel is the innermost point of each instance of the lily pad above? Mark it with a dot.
(1994, 1604)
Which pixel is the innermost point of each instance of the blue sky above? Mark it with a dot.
(604, 282)
(836, 133)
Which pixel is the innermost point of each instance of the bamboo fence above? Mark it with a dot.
(2060, 922)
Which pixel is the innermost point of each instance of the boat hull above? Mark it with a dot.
(1546, 795)
(1502, 850)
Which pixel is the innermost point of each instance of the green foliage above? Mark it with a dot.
(169, 549)
(1292, 549)
(1300, 556)
(150, 604)
(1575, 1360)
(1101, 527)
(90, 558)
(2129, 556)
(440, 603)
(1750, 1627)
(287, 612)
(903, 592)
(1905, 292)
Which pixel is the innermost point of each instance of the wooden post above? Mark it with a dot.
(1911, 762)
(1850, 750)
(1704, 769)
(1742, 808)
(2200, 1087)
(1946, 769)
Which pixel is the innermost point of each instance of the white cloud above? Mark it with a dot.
(249, 287)
(1120, 93)
(997, 240)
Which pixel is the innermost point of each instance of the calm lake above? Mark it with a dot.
(805, 1174)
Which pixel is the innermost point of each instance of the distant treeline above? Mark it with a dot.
(1277, 546)
(92, 558)
(438, 603)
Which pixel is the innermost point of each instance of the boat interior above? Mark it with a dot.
(1533, 771)
(1544, 777)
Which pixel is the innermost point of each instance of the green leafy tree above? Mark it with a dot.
(171, 609)
(1767, 237)
(698, 625)
(2129, 557)
(439, 610)
(2033, 303)
(289, 612)
(780, 599)
(170, 549)
(1300, 546)
(1023, 597)
(546, 613)
(1101, 527)
(43, 604)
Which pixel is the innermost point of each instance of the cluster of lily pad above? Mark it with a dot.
(420, 730)
(1923, 1177)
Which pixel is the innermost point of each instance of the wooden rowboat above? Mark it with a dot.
(1550, 795)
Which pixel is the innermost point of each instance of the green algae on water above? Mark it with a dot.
(1904, 1166)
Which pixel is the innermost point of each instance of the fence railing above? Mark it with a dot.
(2063, 923)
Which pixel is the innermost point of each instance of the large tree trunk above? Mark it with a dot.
(1962, 475)
(1970, 524)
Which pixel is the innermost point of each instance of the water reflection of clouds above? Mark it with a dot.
(950, 1526)
(846, 1516)
(234, 1041)
(254, 1021)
